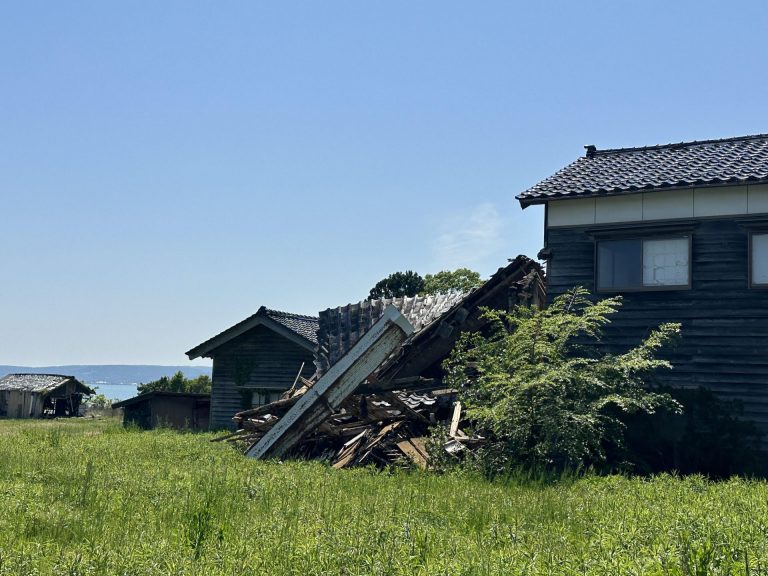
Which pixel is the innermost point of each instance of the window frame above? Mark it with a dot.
(267, 393)
(643, 237)
(751, 257)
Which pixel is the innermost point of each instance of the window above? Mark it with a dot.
(264, 396)
(644, 263)
(759, 259)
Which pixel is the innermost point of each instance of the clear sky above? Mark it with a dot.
(168, 167)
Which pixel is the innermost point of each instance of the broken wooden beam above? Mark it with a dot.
(335, 386)
(455, 420)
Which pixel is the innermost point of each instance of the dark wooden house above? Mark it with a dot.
(681, 232)
(180, 410)
(256, 360)
(41, 395)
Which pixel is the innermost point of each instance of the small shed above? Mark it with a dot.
(180, 410)
(41, 395)
(256, 360)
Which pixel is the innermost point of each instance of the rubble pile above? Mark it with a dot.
(382, 429)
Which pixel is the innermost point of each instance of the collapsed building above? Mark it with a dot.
(41, 395)
(378, 385)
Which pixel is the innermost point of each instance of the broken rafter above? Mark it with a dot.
(335, 386)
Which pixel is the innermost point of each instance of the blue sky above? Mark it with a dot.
(168, 167)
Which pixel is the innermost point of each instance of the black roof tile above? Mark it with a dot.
(299, 324)
(302, 325)
(737, 160)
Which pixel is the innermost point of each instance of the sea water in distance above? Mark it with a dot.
(116, 391)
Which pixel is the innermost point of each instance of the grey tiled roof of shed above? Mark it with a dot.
(739, 160)
(305, 326)
(341, 327)
(33, 382)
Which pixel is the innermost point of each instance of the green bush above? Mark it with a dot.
(536, 385)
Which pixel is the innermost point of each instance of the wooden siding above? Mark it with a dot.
(168, 411)
(724, 343)
(258, 359)
(30, 404)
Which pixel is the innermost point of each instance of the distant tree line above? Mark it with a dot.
(410, 283)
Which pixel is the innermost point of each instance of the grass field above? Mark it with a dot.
(86, 497)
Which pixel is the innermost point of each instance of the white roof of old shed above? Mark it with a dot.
(33, 382)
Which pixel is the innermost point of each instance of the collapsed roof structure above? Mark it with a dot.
(38, 395)
(384, 410)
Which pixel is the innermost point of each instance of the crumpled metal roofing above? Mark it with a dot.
(33, 382)
(737, 160)
(341, 327)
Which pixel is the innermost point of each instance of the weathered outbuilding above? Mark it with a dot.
(256, 360)
(681, 232)
(41, 395)
(180, 410)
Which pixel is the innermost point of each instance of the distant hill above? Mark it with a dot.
(110, 373)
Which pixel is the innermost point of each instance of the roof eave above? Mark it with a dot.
(205, 349)
(529, 201)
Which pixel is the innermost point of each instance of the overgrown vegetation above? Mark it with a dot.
(98, 402)
(177, 383)
(544, 396)
(87, 497)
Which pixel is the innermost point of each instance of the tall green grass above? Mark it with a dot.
(87, 497)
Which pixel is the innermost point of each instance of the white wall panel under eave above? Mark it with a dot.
(576, 212)
(757, 199)
(660, 205)
(666, 205)
(720, 201)
(619, 208)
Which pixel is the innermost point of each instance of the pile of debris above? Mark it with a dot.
(385, 429)
(377, 392)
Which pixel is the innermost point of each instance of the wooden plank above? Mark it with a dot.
(413, 453)
(455, 419)
(335, 385)
(348, 450)
(420, 444)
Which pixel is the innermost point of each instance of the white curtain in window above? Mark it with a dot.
(665, 262)
(760, 259)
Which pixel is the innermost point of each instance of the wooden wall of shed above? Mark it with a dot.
(724, 345)
(259, 359)
(20, 404)
(178, 413)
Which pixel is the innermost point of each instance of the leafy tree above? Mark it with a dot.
(461, 279)
(97, 402)
(407, 283)
(541, 393)
(177, 383)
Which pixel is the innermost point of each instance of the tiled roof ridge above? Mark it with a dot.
(270, 311)
(674, 145)
(374, 301)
